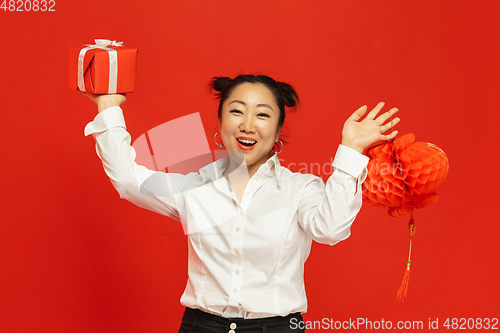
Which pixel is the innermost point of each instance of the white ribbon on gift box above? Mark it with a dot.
(113, 63)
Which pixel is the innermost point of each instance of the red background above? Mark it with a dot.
(76, 258)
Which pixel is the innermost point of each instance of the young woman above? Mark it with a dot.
(250, 221)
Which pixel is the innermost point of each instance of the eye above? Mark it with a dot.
(259, 115)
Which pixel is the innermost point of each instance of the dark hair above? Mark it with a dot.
(284, 93)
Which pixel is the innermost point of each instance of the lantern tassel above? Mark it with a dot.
(403, 289)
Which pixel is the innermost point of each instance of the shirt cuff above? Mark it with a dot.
(110, 117)
(350, 161)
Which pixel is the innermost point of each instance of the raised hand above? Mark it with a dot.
(361, 134)
(105, 101)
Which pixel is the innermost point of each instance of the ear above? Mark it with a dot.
(278, 135)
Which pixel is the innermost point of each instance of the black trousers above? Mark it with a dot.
(197, 321)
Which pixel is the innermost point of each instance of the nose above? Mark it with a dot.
(247, 124)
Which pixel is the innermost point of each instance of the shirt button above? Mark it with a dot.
(233, 326)
(239, 304)
(234, 290)
(237, 271)
(232, 331)
(237, 228)
(236, 251)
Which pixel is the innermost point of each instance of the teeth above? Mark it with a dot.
(246, 141)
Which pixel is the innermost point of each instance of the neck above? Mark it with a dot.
(240, 171)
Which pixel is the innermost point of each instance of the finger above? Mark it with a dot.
(390, 136)
(383, 117)
(358, 113)
(373, 113)
(388, 126)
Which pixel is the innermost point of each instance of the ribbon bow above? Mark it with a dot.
(107, 42)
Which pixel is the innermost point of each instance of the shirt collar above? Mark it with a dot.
(214, 171)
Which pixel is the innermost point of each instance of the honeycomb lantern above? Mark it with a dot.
(404, 175)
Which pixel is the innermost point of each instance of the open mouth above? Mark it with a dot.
(247, 143)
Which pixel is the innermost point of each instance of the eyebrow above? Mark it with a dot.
(258, 105)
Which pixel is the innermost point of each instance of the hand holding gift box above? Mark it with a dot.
(106, 101)
(104, 68)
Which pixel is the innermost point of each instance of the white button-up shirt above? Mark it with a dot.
(244, 259)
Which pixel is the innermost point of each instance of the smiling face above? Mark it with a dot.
(250, 114)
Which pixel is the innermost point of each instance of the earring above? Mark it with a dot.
(277, 152)
(218, 144)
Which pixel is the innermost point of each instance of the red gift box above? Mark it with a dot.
(104, 68)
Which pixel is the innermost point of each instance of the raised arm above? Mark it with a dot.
(118, 159)
(327, 213)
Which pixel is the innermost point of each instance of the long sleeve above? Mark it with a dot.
(326, 213)
(118, 159)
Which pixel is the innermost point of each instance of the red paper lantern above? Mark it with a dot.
(403, 175)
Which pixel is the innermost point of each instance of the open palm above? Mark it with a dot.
(361, 134)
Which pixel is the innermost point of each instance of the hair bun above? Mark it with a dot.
(290, 97)
(220, 83)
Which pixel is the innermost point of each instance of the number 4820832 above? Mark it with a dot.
(28, 6)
